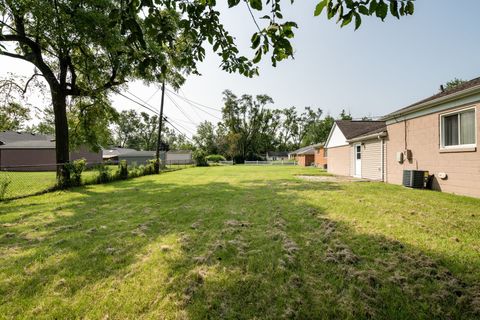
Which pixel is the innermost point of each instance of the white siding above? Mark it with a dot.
(177, 156)
(372, 159)
(336, 138)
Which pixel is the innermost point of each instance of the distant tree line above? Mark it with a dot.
(250, 127)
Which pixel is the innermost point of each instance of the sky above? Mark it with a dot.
(375, 70)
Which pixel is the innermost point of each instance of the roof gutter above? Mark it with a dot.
(377, 135)
(431, 103)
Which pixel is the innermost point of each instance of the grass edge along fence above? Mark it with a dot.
(271, 163)
(30, 180)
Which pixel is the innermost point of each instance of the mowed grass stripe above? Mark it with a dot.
(240, 242)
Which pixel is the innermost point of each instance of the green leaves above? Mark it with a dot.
(382, 10)
(233, 3)
(256, 4)
(347, 11)
(320, 6)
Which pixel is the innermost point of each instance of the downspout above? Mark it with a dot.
(383, 159)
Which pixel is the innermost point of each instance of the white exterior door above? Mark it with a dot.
(357, 158)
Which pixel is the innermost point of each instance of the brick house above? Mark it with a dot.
(23, 151)
(357, 148)
(310, 155)
(438, 134)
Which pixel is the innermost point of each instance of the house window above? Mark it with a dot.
(458, 129)
(325, 153)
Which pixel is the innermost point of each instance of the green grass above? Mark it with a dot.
(240, 242)
(30, 183)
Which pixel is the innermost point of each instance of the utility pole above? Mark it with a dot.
(160, 123)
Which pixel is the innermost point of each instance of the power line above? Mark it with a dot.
(180, 108)
(150, 98)
(196, 107)
(181, 126)
(134, 101)
(192, 101)
(155, 112)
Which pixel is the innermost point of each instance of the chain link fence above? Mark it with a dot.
(28, 180)
(271, 163)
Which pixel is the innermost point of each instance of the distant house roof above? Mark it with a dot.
(7, 137)
(179, 151)
(277, 154)
(34, 144)
(308, 149)
(135, 153)
(352, 129)
(472, 85)
(115, 152)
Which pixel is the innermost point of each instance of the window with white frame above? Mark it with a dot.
(458, 129)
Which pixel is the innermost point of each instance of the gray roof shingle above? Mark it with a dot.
(7, 137)
(413, 107)
(352, 129)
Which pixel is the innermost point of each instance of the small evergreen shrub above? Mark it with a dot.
(123, 170)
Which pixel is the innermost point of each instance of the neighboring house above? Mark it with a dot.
(179, 157)
(111, 154)
(357, 148)
(28, 152)
(139, 157)
(309, 155)
(276, 156)
(440, 135)
(142, 157)
(320, 156)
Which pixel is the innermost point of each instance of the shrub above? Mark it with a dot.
(215, 158)
(200, 158)
(123, 170)
(150, 168)
(4, 183)
(103, 174)
(76, 169)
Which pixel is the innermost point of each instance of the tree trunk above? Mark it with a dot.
(59, 101)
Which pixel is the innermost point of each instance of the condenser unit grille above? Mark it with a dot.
(414, 178)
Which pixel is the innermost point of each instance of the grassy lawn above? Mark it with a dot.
(240, 242)
(28, 183)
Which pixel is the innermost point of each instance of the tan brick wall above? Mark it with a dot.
(28, 157)
(422, 136)
(339, 160)
(320, 159)
(305, 160)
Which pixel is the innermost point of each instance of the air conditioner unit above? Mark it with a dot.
(414, 178)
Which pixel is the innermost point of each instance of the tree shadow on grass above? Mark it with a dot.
(255, 249)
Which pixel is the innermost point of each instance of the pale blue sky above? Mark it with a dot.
(372, 71)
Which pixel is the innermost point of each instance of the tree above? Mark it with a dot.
(13, 116)
(206, 138)
(345, 116)
(82, 48)
(125, 128)
(139, 131)
(449, 85)
(248, 123)
(89, 125)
